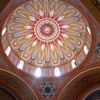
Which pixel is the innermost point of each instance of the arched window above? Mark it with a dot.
(8, 51)
(38, 72)
(3, 31)
(57, 72)
(86, 50)
(20, 65)
(73, 62)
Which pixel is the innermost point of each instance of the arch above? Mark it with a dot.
(78, 82)
(18, 85)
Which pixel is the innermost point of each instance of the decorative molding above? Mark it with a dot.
(94, 95)
(96, 3)
(6, 95)
(83, 81)
(2, 61)
(8, 81)
(91, 90)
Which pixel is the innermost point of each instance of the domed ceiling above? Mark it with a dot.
(51, 35)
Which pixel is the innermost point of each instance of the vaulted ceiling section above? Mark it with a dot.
(49, 49)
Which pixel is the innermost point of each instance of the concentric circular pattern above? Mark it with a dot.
(47, 30)
(47, 34)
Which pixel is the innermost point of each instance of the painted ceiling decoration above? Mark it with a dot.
(46, 34)
(47, 89)
(50, 50)
(98, 50)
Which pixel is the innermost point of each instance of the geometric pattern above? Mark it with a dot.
(98, 50)
(47, 34)
(47, 89)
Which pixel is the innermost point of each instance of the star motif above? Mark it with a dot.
(47, 89)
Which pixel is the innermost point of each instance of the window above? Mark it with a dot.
(86, 50)
(57, 72)
(4, 31)
(73, 62)
(8, 51)
(20, 65)
(38, 72)
(89, 30)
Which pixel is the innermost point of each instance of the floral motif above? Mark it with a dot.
(47, 33)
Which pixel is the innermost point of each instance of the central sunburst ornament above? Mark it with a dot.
(47, 30)
(47, 33)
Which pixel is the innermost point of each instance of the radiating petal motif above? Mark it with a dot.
(47, 32)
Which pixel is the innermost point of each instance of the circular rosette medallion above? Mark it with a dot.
(47, 30)
(47, 34)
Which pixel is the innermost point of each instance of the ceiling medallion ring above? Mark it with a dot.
(47, 37)
(47, 29)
